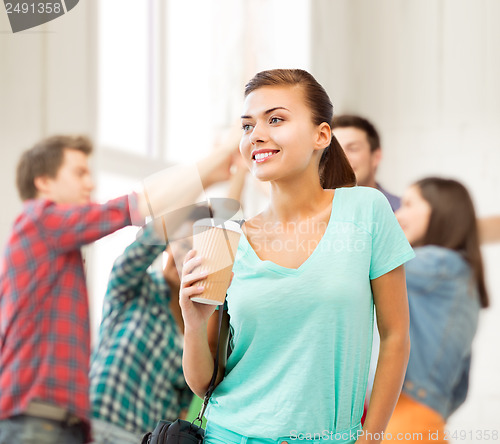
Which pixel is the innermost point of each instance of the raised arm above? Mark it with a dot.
(182, 185)
(130, 267)
(391, 303)
(238, 177)
(489, 229)
(69, 227)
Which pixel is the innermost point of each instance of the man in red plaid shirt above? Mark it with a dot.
(44, 320)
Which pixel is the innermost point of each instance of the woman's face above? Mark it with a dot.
(414, 215)
(279, 138)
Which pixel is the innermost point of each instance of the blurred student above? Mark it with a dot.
(361, 143)
(446, 291)
(136, 375)
(44, 320)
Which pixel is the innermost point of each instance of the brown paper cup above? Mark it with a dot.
(216, 242)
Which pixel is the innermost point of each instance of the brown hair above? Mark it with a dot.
(334, 168)
(453, 224)
(45, 159)
(351, 120)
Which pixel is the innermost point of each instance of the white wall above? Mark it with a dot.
(426, 73)
(46, 80)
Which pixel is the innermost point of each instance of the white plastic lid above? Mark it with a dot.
(219, 223)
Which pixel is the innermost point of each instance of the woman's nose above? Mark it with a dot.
(258, 134)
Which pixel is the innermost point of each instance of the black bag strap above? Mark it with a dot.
(211, 386)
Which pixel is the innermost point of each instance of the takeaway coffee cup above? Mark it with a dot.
(216, 241)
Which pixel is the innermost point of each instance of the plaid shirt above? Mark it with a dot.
(44, 315)
(136, 373)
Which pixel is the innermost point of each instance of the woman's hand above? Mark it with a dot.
(217, 166)
(195, 314)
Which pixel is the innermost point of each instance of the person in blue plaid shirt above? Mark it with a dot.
(136, 375)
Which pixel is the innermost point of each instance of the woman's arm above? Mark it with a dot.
(239, 171)
(200, 331)
(391, 303)
(489, 229)
(181, 185)
(130, 268)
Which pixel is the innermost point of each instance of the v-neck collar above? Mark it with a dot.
(286, 270)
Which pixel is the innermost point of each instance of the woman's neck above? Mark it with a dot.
(296, 199)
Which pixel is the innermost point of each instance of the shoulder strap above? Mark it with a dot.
(211, 386)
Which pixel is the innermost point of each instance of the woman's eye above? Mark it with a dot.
(274, 120)
(246, 127)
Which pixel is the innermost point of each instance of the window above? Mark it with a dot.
(124, 74)
(171, 76)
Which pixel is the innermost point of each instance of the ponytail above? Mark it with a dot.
(335, 171)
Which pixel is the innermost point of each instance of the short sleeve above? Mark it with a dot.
(390, 248)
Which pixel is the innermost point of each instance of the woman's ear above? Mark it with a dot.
(323, 136)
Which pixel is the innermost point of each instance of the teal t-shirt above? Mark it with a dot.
(302, 337)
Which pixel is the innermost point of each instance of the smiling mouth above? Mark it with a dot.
(262, 156)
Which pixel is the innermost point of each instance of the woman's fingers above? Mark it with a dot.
(189, 292)
(190, 276)
(189, 279)
(189, 255)
(190, 263)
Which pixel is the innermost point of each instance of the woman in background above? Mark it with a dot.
(446, 291)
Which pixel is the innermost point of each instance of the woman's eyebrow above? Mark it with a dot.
(268, 111)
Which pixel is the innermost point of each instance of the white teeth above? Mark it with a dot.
(260, 156)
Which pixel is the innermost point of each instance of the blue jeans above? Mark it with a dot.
(30, 430)
(106, 433)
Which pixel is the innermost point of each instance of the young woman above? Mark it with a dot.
(446, 290)
(306, 276)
